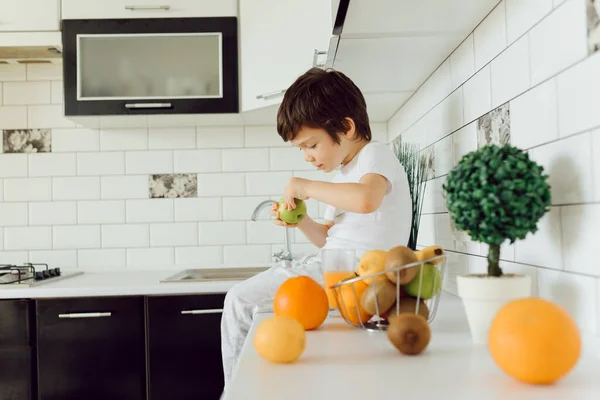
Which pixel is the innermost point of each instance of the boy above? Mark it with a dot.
(324, 114)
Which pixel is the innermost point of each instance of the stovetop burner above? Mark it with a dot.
(30, 274)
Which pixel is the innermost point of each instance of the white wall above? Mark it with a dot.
(86, 204)
(532, 58)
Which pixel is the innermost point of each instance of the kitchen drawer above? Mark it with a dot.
(184, 347)
(94, 9)
(16, 318)
(91, 348)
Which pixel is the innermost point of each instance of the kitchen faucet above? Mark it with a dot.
(282, 254)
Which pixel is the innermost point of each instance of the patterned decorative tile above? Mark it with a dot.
(494, 127)
(172, 185)
(427, 157)
(27, 140)
(593, 25)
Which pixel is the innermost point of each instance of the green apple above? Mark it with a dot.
(431, 282)
(292, 216)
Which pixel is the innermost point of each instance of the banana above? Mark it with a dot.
(430, 252)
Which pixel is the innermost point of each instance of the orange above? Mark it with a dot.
(333, 278)
(534, 340)
(349, 302)
(303, 299)
(280, 339)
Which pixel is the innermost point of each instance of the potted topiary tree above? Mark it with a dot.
(496, 193)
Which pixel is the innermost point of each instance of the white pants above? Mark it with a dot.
(251, 295)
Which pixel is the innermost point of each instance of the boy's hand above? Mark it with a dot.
(275, 213)
(295, 189)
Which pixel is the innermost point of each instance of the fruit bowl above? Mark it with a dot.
(368, 301)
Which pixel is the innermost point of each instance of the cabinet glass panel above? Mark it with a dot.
(149, 66)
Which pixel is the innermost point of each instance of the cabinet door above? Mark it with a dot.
(150, 66)
(16, 373)
(91, 348)
(29, 15)
(184, 347)
(94, 9)
(16, 318)
(278, 40)
(17, 362)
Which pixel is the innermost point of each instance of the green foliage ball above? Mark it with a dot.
(497, 193)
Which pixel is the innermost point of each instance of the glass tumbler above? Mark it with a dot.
(336, 264)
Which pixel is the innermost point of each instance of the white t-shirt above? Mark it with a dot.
(386, 227)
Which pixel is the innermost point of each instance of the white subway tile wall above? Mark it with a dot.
(24, 93)
(462, 63)
(522, 15)
(510, 72)
(85, 201)
(553, 50)
(477, 95)
(13, 165)
(75, 140)
(13, 117)
(490, 36)
(533, 55)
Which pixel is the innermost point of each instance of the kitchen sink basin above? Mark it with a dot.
(214, 274)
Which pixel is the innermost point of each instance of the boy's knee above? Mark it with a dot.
(234, 296)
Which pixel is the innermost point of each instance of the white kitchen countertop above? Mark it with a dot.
(342, 362)
(116, 283)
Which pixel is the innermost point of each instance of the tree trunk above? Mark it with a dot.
(493, 260)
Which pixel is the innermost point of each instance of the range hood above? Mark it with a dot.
(30, 47)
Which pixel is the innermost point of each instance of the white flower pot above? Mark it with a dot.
(484, 295)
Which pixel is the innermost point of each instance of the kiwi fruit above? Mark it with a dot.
(409, 305)
(397, 257)
(409, 333)
(380, 293)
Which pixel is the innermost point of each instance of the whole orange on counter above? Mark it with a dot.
(534, 340)
(303, 299)
(280, 339)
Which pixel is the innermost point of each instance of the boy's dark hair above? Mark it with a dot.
(323, 99)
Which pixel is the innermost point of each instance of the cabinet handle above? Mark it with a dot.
(207, 311)
(316, 55)
(137, 8)
(86, 315)
(272, 94)
(147, 105)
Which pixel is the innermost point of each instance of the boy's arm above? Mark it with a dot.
(315, 232)
(363, 197)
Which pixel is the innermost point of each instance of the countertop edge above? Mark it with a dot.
(117, 283)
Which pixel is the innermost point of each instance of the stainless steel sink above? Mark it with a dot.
(214, 274)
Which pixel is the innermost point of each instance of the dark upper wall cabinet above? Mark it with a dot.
(150, 66)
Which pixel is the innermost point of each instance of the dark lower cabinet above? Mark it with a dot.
(184, 347)
(91, 348)
(17, 351)
(118, 348)
(17, 373)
